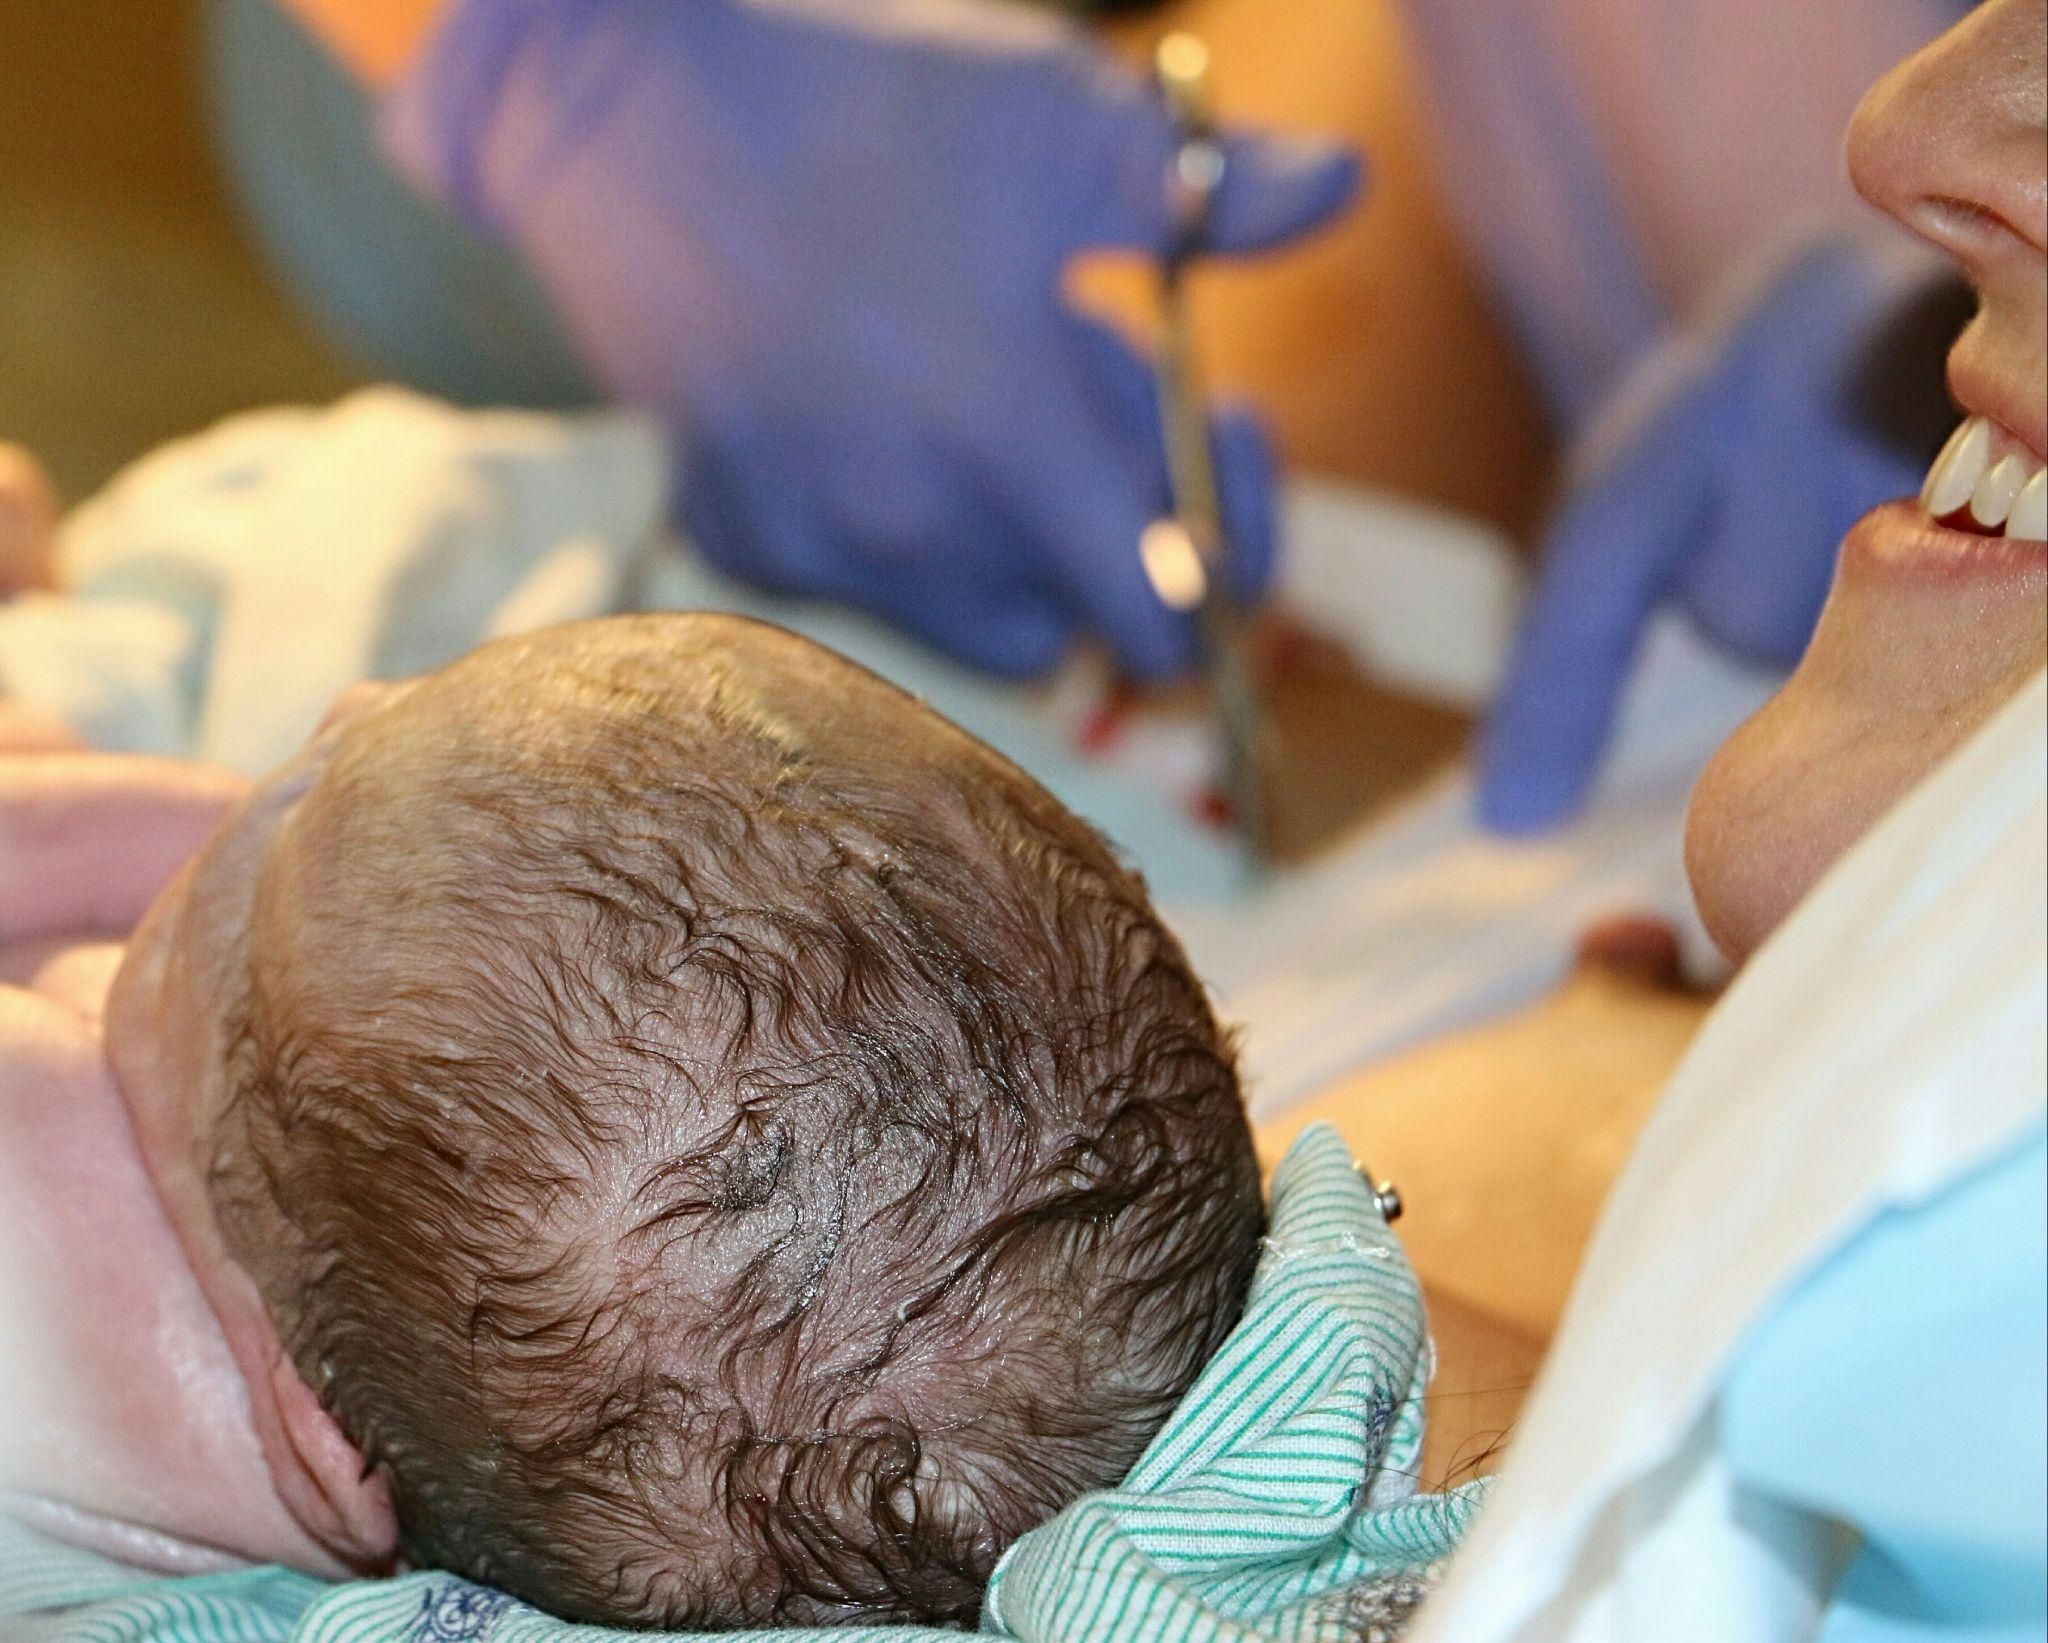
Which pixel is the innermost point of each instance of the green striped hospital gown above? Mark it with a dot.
(1277, 1505)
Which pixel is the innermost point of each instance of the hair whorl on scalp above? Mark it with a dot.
(733, 1149)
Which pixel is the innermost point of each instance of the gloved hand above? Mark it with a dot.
(824, 242)
(1719, 481)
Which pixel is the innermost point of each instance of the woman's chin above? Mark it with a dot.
(1784, 797)
(1922, 640)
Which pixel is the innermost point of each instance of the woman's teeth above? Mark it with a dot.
(2028, 521)
(1968, 491)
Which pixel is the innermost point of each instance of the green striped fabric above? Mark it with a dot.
(1277, 1505)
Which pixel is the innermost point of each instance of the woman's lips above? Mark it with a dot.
(1900, 539)
(1982, 513)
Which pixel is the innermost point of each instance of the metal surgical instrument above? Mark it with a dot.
(1187, 556)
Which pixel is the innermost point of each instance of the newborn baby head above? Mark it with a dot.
(716, 1143)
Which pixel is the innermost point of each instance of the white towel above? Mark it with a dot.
(225, 588)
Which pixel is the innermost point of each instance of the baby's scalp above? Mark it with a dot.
(730, 1146)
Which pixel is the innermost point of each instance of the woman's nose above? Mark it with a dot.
(1954, 141)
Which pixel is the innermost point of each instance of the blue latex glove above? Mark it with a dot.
(824, 242)
(1720, 481)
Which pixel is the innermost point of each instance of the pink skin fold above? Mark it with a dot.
(153, 1413)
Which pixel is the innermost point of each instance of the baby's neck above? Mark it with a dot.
(128, 1422)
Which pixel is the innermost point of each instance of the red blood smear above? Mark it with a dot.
(1105, 726)
(1101, 730)
(1212, 808)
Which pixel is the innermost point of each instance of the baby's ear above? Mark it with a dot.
(346, 1507)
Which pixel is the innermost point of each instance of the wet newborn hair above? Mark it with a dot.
(731, 1147)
